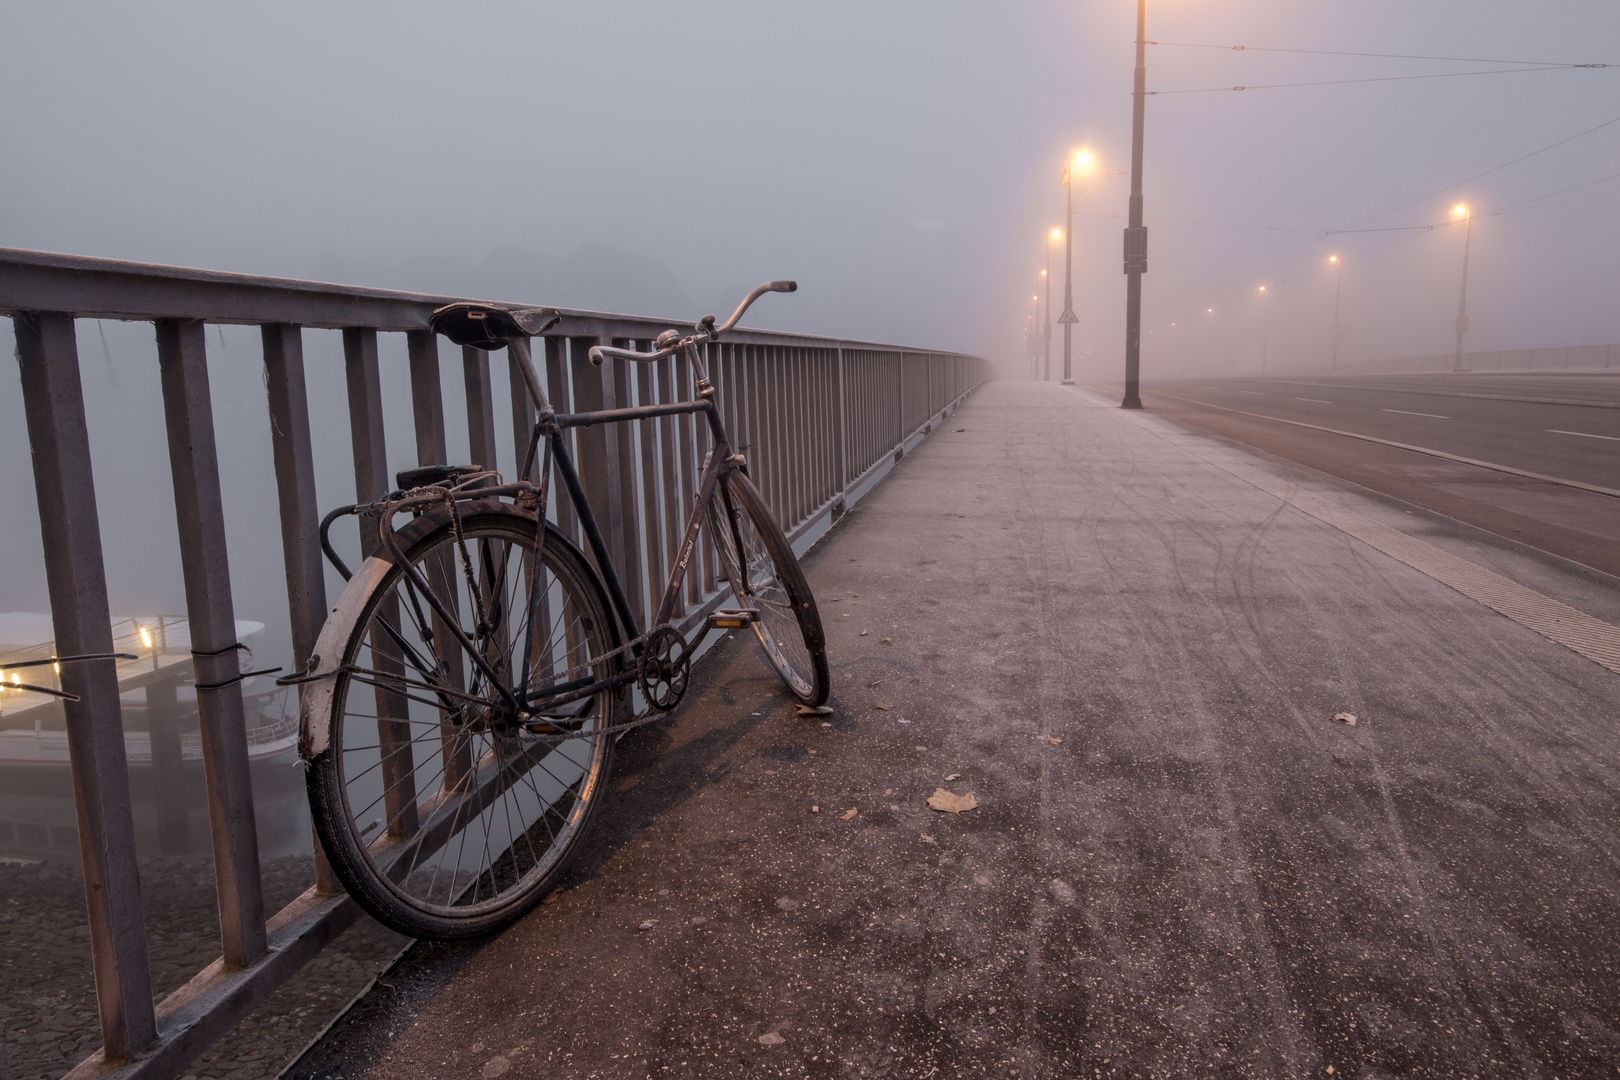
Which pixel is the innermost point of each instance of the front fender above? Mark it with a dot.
(315, 697)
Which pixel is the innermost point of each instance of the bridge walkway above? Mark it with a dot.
(1129, 643)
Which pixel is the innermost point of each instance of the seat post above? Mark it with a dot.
(519, 344)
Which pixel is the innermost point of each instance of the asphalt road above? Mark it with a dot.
(1540, 431)
(1506, 420)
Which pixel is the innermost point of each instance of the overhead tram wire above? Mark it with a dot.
(1376, 56)
(1383, 78)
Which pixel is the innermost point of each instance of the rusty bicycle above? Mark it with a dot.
(461, 705)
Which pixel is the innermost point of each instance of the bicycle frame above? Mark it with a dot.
(551, 426)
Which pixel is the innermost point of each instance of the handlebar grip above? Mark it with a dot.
(596, 355)
(784, 286)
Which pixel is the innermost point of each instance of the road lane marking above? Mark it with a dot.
(1407, 412)
(1252, 393)
(1318, 400)
(1615, 492)
(1432, 392)
(1582, 434)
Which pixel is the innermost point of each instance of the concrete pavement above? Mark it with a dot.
(1128, 642)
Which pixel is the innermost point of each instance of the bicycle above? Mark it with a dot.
(461, 704)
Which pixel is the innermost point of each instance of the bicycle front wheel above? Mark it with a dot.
(446, 811)
(765, 577)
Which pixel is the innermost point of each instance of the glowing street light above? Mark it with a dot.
(1338, 331)
(1467, 215)
(1265, 325)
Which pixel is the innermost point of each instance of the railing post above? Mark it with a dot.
(76, 578)
(200, 515)
(294, 459)
(370, 484)
(481, 408)
(427, 397)
(365, 422)
(295, 484)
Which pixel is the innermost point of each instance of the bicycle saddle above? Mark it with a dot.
(485, 327)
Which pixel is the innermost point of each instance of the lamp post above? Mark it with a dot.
(1338, 283)
(1047, 328)
(1080, 160)
(1462, 305)
(1135, 231)
(1265, 325)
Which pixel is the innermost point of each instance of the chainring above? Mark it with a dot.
(665, 668)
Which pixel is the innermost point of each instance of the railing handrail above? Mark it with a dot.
(90, 287)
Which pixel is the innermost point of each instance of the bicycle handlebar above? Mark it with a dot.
(704, 326)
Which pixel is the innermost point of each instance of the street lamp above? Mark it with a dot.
(1082, 161)
(1265, 325)
(1338, 282)
(1047, 328)
(1135, 231)
(1462, 305)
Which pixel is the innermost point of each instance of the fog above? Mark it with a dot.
(901, 160)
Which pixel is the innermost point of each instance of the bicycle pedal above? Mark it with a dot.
(731, 620)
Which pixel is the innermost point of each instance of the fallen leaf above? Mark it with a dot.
(552, 897)
(922, 748)
(873, 683)
(847, 814)
(958, 431)
(902, 721)
(953, 776)
(1345, 718)
(815, 809)
(886, 641)
(812, 710)
(770, 772)
(771, 1038)
(927, 839)
(495, 1066)
(950, 803)
(885, 706)
(1053, 739)
(648, 925)
(865, 632)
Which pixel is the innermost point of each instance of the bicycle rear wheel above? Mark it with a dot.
(444, 811)
(765, 576)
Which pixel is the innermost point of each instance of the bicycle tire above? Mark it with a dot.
(393, 796)
(788, 624)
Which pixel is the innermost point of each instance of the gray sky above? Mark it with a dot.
(900, 159)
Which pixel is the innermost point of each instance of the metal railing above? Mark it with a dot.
(820, 420)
